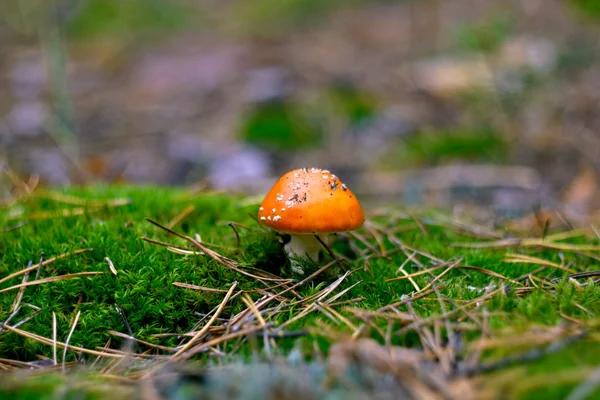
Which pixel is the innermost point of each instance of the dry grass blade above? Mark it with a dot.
(173, 248)
(14, 227)
(43, 264)
(64, 355)
(39, 268)
(19, 297)
(534, 337)
(307, 310)
(164, 244)
(420, 224)
(404, 246)
(207, 289)
(282, 308)
(196, 287)
(503, 243)
(212, 254)
(326, 313)
(197, 325)
(525, 259)
(580, 275)
(531, 242)
(513, 379)
(236, 233)
(527, 356)
(19, 364)
(316, 298)
(248, 301)
(201, 332)
(586, 389)
(67, 212)
(78, 201)
(330, 302)
(111, 266)
(127, 354)
(24, 320)
(448, 359)
(364, 241)
(410, 279)
(152, 345)
(328, 250)
(54, 338)
(329, 289)
(543, 284)
(567, 235)
(410, 299)
(396, 315)
(458, 310)
(369, 227)
(179, 217)
(450, 267)
(183, 252)
(217, 341)
(271, 297)
(308, 278)
(427, 340)
(10, 317)
(51, 279)
(491, 273)
(476, 231)
(23, 189)
(418, 273)
(337, 315)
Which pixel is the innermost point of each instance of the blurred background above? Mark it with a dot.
(489, 108)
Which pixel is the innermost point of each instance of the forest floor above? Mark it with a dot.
(121, 291)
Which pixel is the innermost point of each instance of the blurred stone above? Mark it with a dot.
(375, 136)
(198, 70)
(84, 80)
(50, 164)
(539, 54)
(189, 155)
(5, 135)
(510, 81)
(445, 184)
(189, 147)
(143, 166)
(192, 89)
(445, 76)
(580, 198)
(28, 77)
(238, 169)
(266, 84)
(517, 56)
(27, 118)
(514, 202)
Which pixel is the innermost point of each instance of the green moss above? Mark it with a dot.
(144, 290)
(52, 386)
(280, 126)
(267, 18)
(486, 36)
(588, 8)
(351, 102)
(94, 17)
(433, 147)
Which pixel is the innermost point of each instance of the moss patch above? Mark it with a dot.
(152, 305)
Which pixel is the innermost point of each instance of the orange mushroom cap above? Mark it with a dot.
(310, 200)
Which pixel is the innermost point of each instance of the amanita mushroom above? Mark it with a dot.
(309, 201)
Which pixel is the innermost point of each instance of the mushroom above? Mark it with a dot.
(305, 202)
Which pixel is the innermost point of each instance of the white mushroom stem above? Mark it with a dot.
(302, 246)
